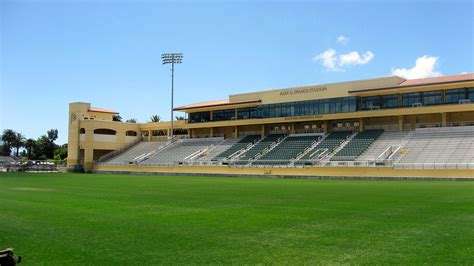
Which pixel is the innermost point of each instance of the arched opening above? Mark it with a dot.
(82, 131)
(131, 133)
(105, 131)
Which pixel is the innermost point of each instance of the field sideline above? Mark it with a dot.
(140, 219)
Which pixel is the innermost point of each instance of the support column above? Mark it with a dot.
(149, 135)
(89, 150)
(189, 133)
(236, 131)
(262, 131)
(327, 130)
(443, 119)
(361, 125)
(212, 132)
(121, 136)
(400, 123)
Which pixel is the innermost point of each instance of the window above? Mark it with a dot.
(370, 102)
(431, 97)
(454, 96)
(411, 99)
(223, 115)
(389, 101)
(130, 133)
(199, 117)
(471, 94)
(104, 131)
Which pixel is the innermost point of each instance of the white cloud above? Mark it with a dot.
(328, 59)
(354, 58)
(334, 62)
(425, 66)
(342, 39)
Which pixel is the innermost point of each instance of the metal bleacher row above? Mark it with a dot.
(439, 146)
(435, 146)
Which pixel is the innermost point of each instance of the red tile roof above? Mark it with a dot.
(425, 81)
(101, 110)
(434, 80)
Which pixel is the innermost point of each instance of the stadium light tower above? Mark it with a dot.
(172, 58)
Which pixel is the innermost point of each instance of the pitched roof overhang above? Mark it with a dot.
(423, 82)
(218, 103)
(101, 110)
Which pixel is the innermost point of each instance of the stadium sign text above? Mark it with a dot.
(301, 91)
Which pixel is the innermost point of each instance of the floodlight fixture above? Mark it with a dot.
(172, 58)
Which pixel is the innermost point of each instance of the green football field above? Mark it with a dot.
(137, 219)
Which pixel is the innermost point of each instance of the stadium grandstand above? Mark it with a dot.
(385, 126)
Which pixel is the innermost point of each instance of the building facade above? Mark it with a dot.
(391, 103)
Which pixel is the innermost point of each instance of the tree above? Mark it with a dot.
(8, 137)
(155, 118)
(42, 149)
(29, 146)
(131, 120)
(18, 142)
(60, 153)
(4, 150)
(52, 135)
(117, 118)
(179, 118)
(45, 146)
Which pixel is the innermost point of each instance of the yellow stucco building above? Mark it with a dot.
(389, 102)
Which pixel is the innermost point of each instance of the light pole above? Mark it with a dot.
(172, 58)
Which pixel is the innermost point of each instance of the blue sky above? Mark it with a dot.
(108, 52)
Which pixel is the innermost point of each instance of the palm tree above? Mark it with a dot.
(117, 118)
(18, 142)
(179, 118)
(155, 118)
(131, 120)
(8, 137)
(29, 146)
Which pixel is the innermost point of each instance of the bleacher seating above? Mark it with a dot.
(357, 145)
(288, 149)
(180, 150)
(387, 139)
(433, 146)
(237, 147)
(330, 143)
(133, 152)
(440, 146)
(259, 147)
(217, 149)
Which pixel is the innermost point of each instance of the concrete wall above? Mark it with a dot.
(301, 172)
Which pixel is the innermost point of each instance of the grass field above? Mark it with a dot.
(132, 219)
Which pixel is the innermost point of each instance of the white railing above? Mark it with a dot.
(395, 154)
(143, 157)
(118, 151)
(386, 153)
(384, 127)
(239, 153)
(308, 131)
(280, 164)
(433, 165)
(247, 133)
(446, 125)
(268, 149)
